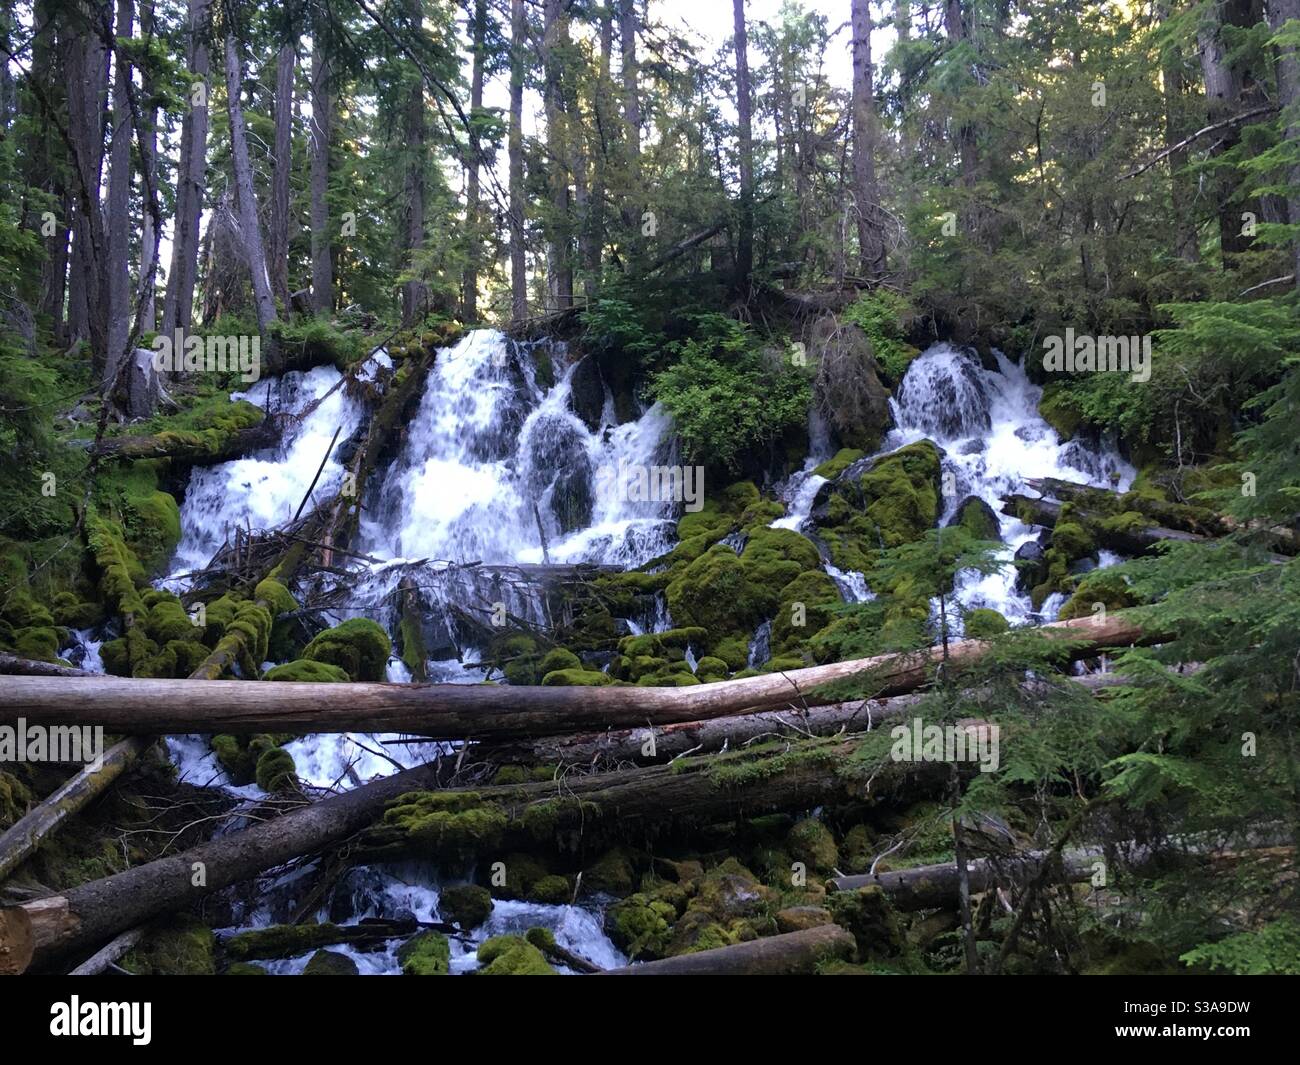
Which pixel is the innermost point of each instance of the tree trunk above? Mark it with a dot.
(118, 206)
(957, 15)
(871, 226)
(285, 65)
(789, 954)
(745, 148)
(559, 264)
(191, 181)
(249, 224)
(473, 223)
(415, 297)
(322, 264)
(631, 139)
(77, 920)
(149, 164)
(518, 260)
(456, 711)
(1288, 92)
(1229, 88)
(193, 449)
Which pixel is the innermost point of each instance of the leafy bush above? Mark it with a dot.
(724, 399)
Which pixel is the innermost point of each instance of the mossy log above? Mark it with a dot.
(1129, 539)
(789, 954)
(932, 886)
(20, 840)
(197, 448)
(672, 741)
(40, 931)
(460, 711)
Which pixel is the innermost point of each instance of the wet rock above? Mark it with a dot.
(797, 918)
(1031, 566)
(587, 392)
(977, 518)
(330, 963)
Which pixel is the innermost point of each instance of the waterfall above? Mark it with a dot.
(994, 440)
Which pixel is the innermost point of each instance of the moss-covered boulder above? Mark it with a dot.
(1100, 586)
(359, 647)
(308, 671)
(559, 658)
(640, 926)
(584, 678)
(982, 623)
(811, 842)
(869, 917)
(612, 872)
(175, 946)
(275, 771)
(427, 954)
(511, 956)
(330, 963)
(467, 905)
(978, 519)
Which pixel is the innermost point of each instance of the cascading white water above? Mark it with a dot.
(994, 440)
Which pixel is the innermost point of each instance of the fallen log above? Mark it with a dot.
(40, 930)
(457, 711)
(107, 955)
(1126, 540)
(20, 840)
(932, 886)
(29, 667)
(731, 733)
(789, 954)
(197, 449)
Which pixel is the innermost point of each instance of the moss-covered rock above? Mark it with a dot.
(842, 460)
(559, 658)
(709, 669)
(640, 926)
(330, 963)
(276, 771)
(868, 915)
(427, 954)
(1099, 586)
(309, 671)
(811, 842)
(358, 646)
(612, 872)
(467, 905)
(552, 888)
(586, 678)
(244, 968)
(511, 956)
(276, 596)
(982, 622)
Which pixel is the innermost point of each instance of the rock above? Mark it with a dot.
(812, 843)
(797, 918)
(977, 518)
(428, 954)
(848, 387)
(142, 391)
(1031, 566)
(867, 914)
(512, 956)
(612, 872)
(587, 392)
(330, 963)
(468, 905)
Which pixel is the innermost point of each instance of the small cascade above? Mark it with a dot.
(994, 440)
(799, 492)
(760, 647)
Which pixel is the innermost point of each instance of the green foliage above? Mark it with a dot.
(884, 316)
(724, 399)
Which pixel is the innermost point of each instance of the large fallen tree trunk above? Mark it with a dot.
(456, 711)
(30, 667)
(77, 920)
(1129, 539)
(933, 886)
(195, 449)
(790, 954)
(649, 746)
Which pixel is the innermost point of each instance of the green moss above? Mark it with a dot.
(612, 872)
(468, 905)
(15, 798)
(812, 843)
(243, 968)
(1059, 409)
(844, 458)
(710, 523)
(806, 605)
(709, 669)
(276, 596)
(511, 956)
(176, 946)
(576, 678)
(358, 646)
(74, 613)
(281, 940)
(120, 570)
(1072, 540)
(330, 963)
(1099, 586)
(558, 658)
(868, 915)
(640, 926)
(168, 620)
(427, 954)
(308, 671)
(981, 623)
(275, 771)
(442, 822)
(552, 888)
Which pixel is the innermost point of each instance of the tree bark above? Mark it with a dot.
(148, 138)
(559, 264)
(1288, 92)
(473, 223)
(414, 293)
(789, 954)
(871, 227)
(745, 148)
(322, 264)
(75, 921)
(193, 450)
(285, 65)
(515, 149)
(117, 206)
(454, 711)
(191, 181)
(249, 224)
